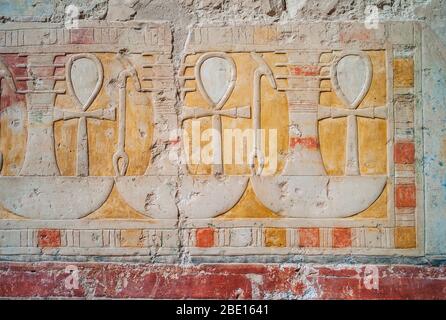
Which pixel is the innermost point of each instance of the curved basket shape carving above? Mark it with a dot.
(153, 196)
(318, 196)
(54, 198)
(304, 190)
(201, 197)
(43, 194)
(208, 197)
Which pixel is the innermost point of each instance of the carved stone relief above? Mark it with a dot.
(103, 147)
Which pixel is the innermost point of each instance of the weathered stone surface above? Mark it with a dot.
(208, 130)
(121, 10)
(237, 281)
(149, 180)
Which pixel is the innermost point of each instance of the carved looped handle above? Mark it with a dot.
(262, 70)
(120, 156)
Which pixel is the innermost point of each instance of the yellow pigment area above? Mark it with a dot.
(13, 138)
(405, 237)
(12, 144)
(249, 207)
(133, 238)
(275, 237)
(103, 135)
(372, 134)
(274, 116)
(116, 208)
(403, 73)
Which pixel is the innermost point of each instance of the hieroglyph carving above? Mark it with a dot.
(39, 192)
(210, 91)
(71, 74)
(210, 196)
(303, 189)
(303, 193)
(90, 76)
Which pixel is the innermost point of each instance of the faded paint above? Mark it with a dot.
(275, 237)
(434, 115)
(405, 237)
(27, 8)
(236, 281)
(403, 73)
(372, 135)
(133, 238)
(266, 281)
(274, 113)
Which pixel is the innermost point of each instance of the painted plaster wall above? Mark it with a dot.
(338, 271)
(433, 83)
(188, 14)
